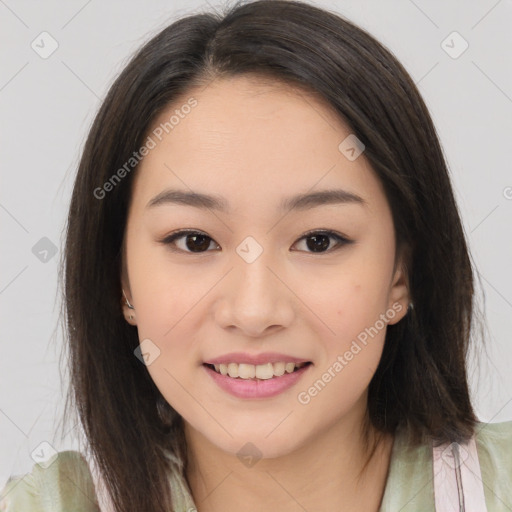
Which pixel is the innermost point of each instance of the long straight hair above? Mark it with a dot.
(421, 381)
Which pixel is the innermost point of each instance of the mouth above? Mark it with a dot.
(256, 372)
(263, 381)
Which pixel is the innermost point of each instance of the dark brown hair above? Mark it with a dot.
(421, 381)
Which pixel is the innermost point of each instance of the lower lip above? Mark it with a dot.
(258, 388)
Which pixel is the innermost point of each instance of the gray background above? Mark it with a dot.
(47, 105)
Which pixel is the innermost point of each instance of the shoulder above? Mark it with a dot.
(489, 435)
(63, 483)
(494, 447)
(410, 483)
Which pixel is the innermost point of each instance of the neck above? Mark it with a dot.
(325, 473)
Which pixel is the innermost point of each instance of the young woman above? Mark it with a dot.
(267, 285)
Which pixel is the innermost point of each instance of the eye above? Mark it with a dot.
(320, 240)
(198, 242)
(195, 241)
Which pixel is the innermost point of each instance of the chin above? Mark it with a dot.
(258, 445)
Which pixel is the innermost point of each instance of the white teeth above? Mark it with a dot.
(289, 367)
(264, 371)
(260, 371)
(247, 371)
(279, 369)
(233, 370)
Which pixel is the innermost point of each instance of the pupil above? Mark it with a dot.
(324, 244)
(192, 246)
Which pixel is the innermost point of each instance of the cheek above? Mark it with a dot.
(347, 366)
(359, 291)
(352, 307)
(164, 291)
(167, 300)
(349, 302)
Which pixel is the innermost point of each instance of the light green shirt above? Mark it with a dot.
(409, 485)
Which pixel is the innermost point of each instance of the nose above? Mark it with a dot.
(255, 298)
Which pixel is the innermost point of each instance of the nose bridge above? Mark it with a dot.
(254, 297)
(253, 278)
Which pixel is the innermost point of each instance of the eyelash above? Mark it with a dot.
(341, 240)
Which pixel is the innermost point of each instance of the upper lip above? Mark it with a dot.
(255, 359)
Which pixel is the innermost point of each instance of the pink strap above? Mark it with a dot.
(458, 485)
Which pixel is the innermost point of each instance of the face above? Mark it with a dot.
(272, 284)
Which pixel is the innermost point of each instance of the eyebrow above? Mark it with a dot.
(300, 202)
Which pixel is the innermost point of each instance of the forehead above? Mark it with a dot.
(255, 91)
(247, 103)
(249, 134)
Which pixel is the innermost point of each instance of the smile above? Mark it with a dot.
(256, 387)
(260, 371)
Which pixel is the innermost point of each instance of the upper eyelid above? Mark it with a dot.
(184, 232)
(340, 238)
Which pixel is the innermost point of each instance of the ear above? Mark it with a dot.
(128, 312)
(399, 295)
(126, 296)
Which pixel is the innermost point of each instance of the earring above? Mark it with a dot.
(131, 316)
(127, 301)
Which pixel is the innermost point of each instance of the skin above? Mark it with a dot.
(254, 143)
